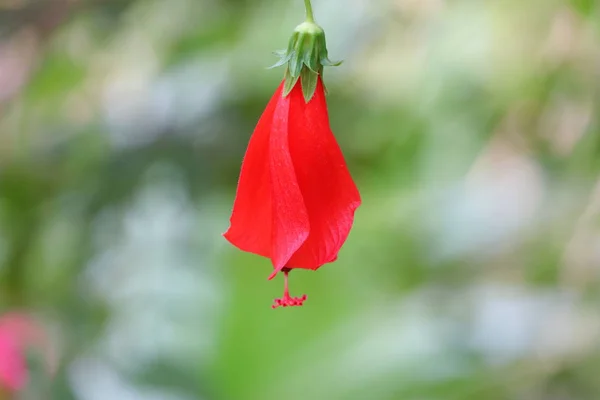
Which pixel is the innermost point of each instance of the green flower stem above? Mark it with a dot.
(309, 11)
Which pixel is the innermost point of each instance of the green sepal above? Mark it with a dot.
(326, 62)
(290, 82)
(284, 58)
(312, 53)
(324, 85)
(305, 57)
(295, 64)
(308, 79)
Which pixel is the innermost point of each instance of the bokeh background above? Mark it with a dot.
(471, 127)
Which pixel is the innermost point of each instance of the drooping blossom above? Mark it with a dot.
(295, 199)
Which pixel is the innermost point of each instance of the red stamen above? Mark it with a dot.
(287, 300)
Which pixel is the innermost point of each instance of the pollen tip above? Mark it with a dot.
(288, 301)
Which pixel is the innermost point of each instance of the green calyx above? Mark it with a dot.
(305, 58)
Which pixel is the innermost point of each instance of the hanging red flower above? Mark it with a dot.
(295, 199)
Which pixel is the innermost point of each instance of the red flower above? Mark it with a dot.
(295, 199)
(13, 367)
(18, 332)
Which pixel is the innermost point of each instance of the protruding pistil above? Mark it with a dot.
(287, 300)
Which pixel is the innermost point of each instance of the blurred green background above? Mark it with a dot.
(471, 127)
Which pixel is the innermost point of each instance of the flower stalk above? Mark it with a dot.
(309, 11)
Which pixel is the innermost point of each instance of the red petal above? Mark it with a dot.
(250, 222)
(329, 193)
(290, 219)
(269, 217)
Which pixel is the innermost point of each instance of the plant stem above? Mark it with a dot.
(309, 11)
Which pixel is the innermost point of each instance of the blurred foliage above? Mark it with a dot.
(472, 130)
